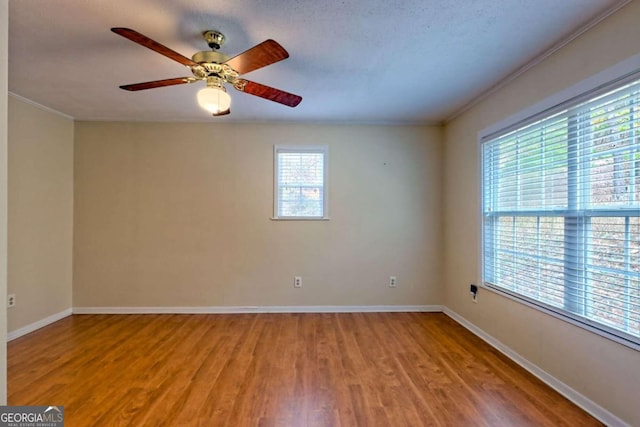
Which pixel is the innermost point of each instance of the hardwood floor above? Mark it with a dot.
(348, 369)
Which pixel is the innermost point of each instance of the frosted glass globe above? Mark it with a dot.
(214, 100)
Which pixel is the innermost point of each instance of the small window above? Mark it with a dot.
(300, 182)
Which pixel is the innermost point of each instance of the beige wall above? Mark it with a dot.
(174, 214)
(605, 372)
(4, 55)
(40, 212)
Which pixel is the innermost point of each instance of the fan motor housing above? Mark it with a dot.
(212, 64)
(210, 57)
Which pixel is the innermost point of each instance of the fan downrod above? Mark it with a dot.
(214, 38)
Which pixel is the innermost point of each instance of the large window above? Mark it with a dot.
(561, 211)
(300, 182)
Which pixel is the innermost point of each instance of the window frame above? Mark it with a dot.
(320, 149)
(607, 80)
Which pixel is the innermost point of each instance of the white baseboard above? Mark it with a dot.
(580, 400)
(260, 309)
(37, 325)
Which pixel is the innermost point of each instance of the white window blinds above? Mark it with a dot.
(561, 212)
(300, 182)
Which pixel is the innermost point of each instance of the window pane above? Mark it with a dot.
(301, 168)
(551, 254)
(528, 170)
(299, 201)
(612, 181)
(606, 246)
(300, 182)
(528, 257)
(607, 298)
(612, 142)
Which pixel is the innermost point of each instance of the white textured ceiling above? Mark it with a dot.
(401, 61)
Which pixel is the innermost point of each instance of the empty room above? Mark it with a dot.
(300, 213)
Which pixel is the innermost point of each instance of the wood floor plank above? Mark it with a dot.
(268, 370)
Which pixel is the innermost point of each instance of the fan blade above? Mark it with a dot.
(158, 83)
(270, 93)
(145, 41)
(261, 55)
(222, 113)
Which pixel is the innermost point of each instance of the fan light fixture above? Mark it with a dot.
(214, 99)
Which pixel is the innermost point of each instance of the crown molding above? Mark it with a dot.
(40, 106)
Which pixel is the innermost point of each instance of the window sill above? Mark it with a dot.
(297, 218)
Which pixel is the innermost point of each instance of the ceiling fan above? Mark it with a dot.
(216, 69)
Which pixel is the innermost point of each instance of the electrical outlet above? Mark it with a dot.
(392, 281)
(297, 282)
(473, 290)
(11, 300)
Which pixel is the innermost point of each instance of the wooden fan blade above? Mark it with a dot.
(261, 55)
(222, 113)
(145, 41)
(157, 83)
(270, 93)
